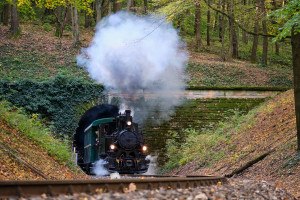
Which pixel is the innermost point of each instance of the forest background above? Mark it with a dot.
(265, 32)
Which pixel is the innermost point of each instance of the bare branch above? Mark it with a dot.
(238, 24)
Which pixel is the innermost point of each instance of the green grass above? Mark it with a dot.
(20, 64)
(203, 145)
(233, 76)
(34, 130)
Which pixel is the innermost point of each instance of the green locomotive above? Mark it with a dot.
(118, 142)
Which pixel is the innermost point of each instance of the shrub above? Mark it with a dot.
(54, 99)
(47, 27)
(51, 19)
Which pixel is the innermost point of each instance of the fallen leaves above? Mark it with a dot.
(30, 153)
(273, 126)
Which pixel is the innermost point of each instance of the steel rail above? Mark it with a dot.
(55, 187)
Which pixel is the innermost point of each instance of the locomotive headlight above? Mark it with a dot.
(112, 147)
(144, 148)
(128, 123)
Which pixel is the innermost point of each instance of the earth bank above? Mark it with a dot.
(268, 132)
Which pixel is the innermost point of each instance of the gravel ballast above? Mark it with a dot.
(236, 189)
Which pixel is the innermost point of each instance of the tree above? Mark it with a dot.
(244, 33)
(233, 48)
(88, 20)
(14, 28)
(108, 7)
(255, 37)
(61, 19)
(129, 2)
(75, 25)
(5, 14)
(146, 6)
(61, 13)
(208, 26)
(222, 33)
(290, 15)
(198, 25)
(265, 38)
(99, 6)
(296, 69)
(117, 5)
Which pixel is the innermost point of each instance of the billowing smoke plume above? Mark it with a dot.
(131, 54)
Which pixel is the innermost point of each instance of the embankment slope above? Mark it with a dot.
(23, 155)
(269, 133)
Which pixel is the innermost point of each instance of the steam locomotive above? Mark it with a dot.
(105, 134)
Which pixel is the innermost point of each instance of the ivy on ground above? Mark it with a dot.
(54, 99)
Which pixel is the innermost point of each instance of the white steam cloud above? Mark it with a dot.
(131, 53)
(99, 168)
(152, 165)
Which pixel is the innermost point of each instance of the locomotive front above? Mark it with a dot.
(127, 151)
(116, 140)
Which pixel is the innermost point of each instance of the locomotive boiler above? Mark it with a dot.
(117, 140)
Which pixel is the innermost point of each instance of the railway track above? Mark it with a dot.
(53, 188)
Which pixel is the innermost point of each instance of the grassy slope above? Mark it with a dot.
(37, 54)
(269, 127)
(210, 70)
(23, 142)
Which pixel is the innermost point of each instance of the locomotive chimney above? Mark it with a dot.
(128, 115)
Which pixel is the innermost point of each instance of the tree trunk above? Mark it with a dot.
(244, 33)
(68, 16)
(208, 26)
(255, 37)
(265, 46)
(233, 49)
(14, 28)
(255, 43)
(87, 20)
(146, 6)
(265, 38)
(244, 37)
(117, 6)
(181, 24)
(61, 16)
(73, 21)
(129, 2)
(215, 18)
(221, 20)
(108, 7)
(198, 26)
(58, 12)
(277, 48)
(222, 33)
(76, 26)
(98, 10)
(5, 14)
(296, 68)
(58, 32)
(223, 53)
